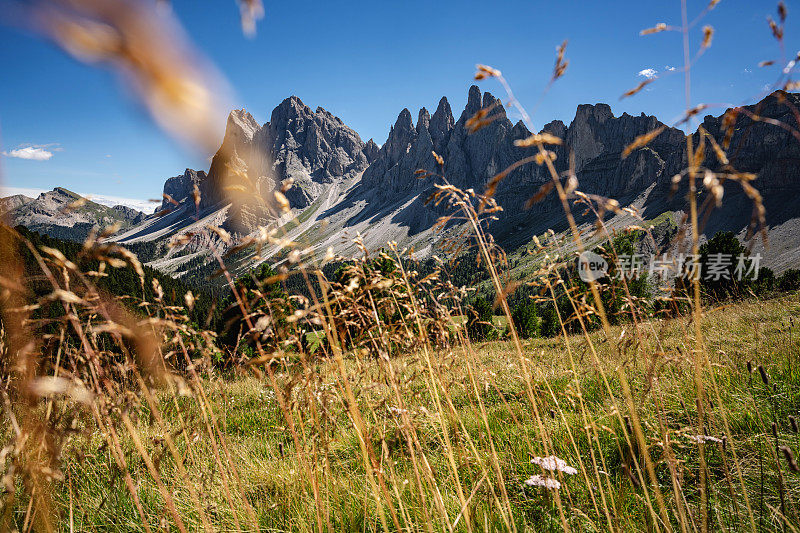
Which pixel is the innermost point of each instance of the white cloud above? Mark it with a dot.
(670, 68)
(34, 153)
(747, 71)
(24, 191)
(141, 205)
(648, 73)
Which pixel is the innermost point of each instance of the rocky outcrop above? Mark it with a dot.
(237, 158)
(131, 215)
(371, 151)
(760, 147)
(181, 187)
(594, 140)
(311, 148)
(407, 149)
(593, 145)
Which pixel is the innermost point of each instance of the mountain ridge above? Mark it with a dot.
(63, 214)
(341, 188)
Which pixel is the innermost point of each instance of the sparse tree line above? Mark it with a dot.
(548, 306)
(562, 301)
(380, 304)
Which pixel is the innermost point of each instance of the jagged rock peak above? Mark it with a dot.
(371, 150)
(555, 127)
(520, 130)
(324, 112)
(424, 120)
(404, 120)
(401, 136)
(181, 187)
(489, 100)
(241, 122)
(442, 120)
(441, 125)
(473, 102)
(290, 108)
(599, 112)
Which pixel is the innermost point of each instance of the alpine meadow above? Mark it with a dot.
(479, 324)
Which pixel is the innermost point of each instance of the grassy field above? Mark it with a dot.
(452, 435)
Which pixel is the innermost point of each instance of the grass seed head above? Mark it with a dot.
(764, 376)
(787, 453)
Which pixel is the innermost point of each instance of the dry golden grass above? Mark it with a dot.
(486, 416)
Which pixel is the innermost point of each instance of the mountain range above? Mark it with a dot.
(342, 189)
(64, 214)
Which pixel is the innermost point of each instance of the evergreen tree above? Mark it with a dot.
(719, 258)
(525, 319)
(479, 320)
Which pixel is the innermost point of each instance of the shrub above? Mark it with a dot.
(765, 283)
(479, 320)
(525, 319)
(789, 280)
(725, 284)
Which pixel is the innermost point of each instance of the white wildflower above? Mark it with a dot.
(397, 411)
(268, 394)
(552, 463)
(539, 480)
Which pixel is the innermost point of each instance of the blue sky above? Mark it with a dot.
(365, 61)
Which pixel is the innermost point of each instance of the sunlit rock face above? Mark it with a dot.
(310, 149)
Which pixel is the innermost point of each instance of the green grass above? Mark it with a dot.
(665, 216)
(273, 475)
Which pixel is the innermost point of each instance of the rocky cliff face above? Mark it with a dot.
(595, 140)
(363, 187)
(763, 148)
(310, 149)
(314, 149)
(181, 187)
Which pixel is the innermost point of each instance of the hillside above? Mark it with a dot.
(492, 422)
(12, 202)
(66, 215)
(120, 283)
